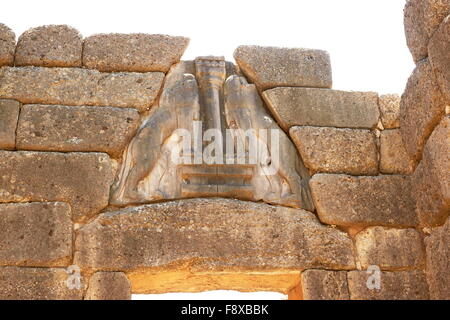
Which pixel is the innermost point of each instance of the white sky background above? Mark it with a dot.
(213, 295)
(365, 38)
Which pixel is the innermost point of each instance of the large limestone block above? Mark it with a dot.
(439, 53)
(81, 179)
(422, 18)
(74, 86)
(65, 128)
(416, 35)
(35, 234)
(434, 11)
(49, 46)
(322, 107)
(404, 285)
(133, 52)
(7, 46)
(37, 284)
(390, 249)
(438, 261)
(108, 286)
(211, 234)
(390, 110)
(393, 155)
(9, 115)
(324, 285)
(431, 180)
(363, 201)
(335, 150)
(421, 109)
(270, 67)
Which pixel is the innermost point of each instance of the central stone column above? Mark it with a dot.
(210, 74)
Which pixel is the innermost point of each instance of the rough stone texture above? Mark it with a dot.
(438, 262)
(422, 18)
(133, 52)
(74, 86)
(431, 180)
(63, 128)
(390, 110)
(36, 284)
(334, 150)
(416, 36)
(404, 285)
(9, 115)
(35, 234)
(322, 107)
(270, 67)
(393, 155)
(439, 53)
(7, 46)
(324, 285)
(81, 179)
(421, 109)
(363, 201)
(434, 11)
(108, 286)
(212, 234)
(390, 249)
(49, 46)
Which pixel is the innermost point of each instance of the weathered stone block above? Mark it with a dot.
(211, 234)
(74, 86)
(64, 128)
(132, 90)
(390, 110)
(322, 107)
(324, 285)
(416, 35)
(335, 150)
(405, 285)
(422, 18)
(7, 46)
(438, 261)
(133, 52)
(9, 115)
(270, 67)
(36, 284)
(421, 109)
(35, 234)
(439, 53)
(390, 249)
(363, 201)
(393, 155)
(431, 180)
(108, 286)
(81, 179)
(49, 46)
(434, 11)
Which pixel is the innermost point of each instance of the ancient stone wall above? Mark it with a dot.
(425, 129)
(91, 207)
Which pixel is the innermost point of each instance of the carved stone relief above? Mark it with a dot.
(211, 136)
